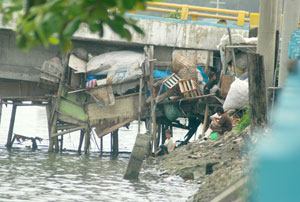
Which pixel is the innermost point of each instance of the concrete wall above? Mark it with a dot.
(19, 65)
(16, 64)
(170, 33)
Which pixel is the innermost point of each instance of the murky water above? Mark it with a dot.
(27, 175)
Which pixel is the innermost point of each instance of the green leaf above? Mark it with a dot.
(53, 40)
(71, 27)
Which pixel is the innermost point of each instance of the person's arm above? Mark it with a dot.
(214, 120)
(174, 145)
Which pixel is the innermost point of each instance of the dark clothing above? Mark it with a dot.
(209, 86)
(224, 124)
(163, 151)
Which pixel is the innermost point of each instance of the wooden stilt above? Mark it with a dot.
(81, 140)
(56, 145)
(11, 126)
(205, 119)
(101, 146)
(163, 133)
(115, 136)
(111, 143)
(87, 141)
(48, 112)
(61, 143)
(140, 104)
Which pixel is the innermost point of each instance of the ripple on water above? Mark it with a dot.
(40, 176)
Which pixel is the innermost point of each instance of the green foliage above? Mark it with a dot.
(243, 122)
(176, 14)
(44, 22)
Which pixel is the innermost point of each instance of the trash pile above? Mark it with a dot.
(213, 164)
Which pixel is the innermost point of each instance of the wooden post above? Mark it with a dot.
(11, 126)
(61, 143)
(87, 140)
(115, 143)
(257, 91)
(232, 51)
(205, 119)
(81, 140)
(101, 145)
(163, 133)
(153, 105)
(140, 104)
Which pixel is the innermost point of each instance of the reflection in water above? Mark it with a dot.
(42, 176)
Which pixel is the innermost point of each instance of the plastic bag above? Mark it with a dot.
(237, 97)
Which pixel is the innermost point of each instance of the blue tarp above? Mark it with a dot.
(205, 78)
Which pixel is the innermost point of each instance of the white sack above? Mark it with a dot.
(111, 61)
(237, 97)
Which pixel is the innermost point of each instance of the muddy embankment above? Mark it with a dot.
(213, 164)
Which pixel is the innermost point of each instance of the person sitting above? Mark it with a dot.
(211, 85)
(222, 125)
(168, 146)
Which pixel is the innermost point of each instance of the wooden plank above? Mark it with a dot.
(68, 131)
(73, 110)
(77, 64)
(103, 96)
(125, 108)
(115, 127)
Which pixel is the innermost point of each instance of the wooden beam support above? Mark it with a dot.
(11, 127)
(82, 132)
(87, 140)
(115, 143)
(257, 91)
(68, 131)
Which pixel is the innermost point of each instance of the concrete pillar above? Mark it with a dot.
(139, 151)
(267, 37)
(290, 24)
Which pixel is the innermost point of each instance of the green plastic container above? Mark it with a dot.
(214, 136)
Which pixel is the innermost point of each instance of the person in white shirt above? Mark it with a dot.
(168, 146)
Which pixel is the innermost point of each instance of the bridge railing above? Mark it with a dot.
(193, 12)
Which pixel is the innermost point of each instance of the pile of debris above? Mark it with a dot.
(213, 164)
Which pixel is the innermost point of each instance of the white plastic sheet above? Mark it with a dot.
(112, 61)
